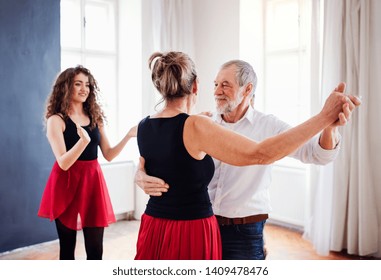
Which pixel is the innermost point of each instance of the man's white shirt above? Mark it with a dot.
(244, 191)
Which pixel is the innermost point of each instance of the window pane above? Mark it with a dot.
(100, 26)
(69, 59)
(71, 24)
(282, 23)
(282, 89)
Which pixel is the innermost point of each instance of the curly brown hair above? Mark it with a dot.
(59, 100)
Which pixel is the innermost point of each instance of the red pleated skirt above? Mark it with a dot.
(164, 239)
(77, 197)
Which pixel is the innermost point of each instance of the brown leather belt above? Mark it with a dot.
(241, 221)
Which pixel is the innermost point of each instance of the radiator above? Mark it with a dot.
(288, 194)
(119, 177)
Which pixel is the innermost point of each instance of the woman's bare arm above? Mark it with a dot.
(65, 159)
(110, 152)
(202, 136)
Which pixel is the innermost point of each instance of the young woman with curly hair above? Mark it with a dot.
(76, 195)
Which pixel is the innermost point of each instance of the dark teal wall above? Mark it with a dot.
(29, 63)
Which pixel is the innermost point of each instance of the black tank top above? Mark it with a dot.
(161, 143)
(71, 138)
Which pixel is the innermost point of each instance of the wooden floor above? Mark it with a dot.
(120, 239)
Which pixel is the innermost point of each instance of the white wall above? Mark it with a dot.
(216, 34)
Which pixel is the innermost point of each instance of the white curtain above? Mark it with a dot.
(346, 212)
(168, 27)
(173, 26)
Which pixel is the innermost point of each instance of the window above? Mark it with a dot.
(88, 37)
(98, 34)
(286, 62)
(275, 39)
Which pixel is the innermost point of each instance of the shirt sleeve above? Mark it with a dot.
(311, 151)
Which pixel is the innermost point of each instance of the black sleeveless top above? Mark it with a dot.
(161, 143)
(71, 138)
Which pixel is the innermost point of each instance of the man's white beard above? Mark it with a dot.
(230, 105)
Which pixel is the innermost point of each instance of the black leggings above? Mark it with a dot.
(68, 237)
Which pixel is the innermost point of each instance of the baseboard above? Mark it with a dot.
(285, 225)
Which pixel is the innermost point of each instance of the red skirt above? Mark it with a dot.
(164, 239)
(77, 197)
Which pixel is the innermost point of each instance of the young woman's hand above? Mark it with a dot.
(133, 131)
(82, 133)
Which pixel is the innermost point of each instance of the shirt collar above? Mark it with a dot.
(249, 115)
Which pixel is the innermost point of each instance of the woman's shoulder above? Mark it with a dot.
(56, 117)
(200, 123)
(56, 120)
(200, 120)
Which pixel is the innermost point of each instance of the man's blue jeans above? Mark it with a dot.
(243, 242)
